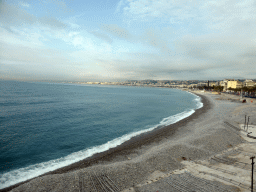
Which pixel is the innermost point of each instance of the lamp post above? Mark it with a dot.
(252, 172)
(244, 122)
(248, 122)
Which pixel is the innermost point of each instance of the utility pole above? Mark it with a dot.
(252, 172)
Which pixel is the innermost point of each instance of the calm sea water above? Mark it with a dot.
(46, 126)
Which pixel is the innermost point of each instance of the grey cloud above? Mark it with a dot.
(7, 28)
(12, 15)
(21, 62)
(180, 67)
(117, 31)
(20, 54)
(220, 49)
(170, 69)
(250, 52)
(51, 22)
(155, 39)
(182, 73)
(143, 56)
(102, 36)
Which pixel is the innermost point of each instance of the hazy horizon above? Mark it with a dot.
(119, 40)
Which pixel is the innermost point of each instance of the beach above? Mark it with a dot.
(160, 152)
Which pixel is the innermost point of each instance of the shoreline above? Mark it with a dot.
(128, 147)
(138, 141)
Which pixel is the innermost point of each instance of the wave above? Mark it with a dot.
(198, 100)
(23, 174)
(199, 104)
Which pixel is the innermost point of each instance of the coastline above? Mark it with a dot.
(134, 143)
(128, 147)
(145, 162)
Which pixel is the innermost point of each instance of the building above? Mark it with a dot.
(217, 83)
(202, 84)
(234, 84)
(249, 83)
(192, 86)
(224, 83)
(211, 84)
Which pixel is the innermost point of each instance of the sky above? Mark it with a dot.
(117, 40)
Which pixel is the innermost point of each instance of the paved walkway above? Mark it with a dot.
(228, 171)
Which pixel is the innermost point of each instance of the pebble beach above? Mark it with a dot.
(133, 165)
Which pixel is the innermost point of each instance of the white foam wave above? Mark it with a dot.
(23, 174)
(199, 104)
(198, 100)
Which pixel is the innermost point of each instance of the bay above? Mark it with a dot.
(45, 126)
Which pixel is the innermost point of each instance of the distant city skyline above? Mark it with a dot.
(118, 40)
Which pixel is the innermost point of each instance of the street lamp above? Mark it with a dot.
(252, 172)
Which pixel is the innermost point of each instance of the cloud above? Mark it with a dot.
(117, 31)
(57, 6)
(102, 36)
(160, 70)
(222, 54)
(216, 47)
(119, 5)
(34, 55)
(177, 40)
(23, 59)
(72, 21)
(150, 37)
(35, 63)
(51, 22)
(24, 4)
(17, 37)
(13, 15)
(156, 39)
(147, 10)
(250, 52)
(211, 15)
(210, 56)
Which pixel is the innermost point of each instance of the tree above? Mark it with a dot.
(218, 88)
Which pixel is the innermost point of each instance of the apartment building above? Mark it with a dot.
(249, 83)
(234, 84)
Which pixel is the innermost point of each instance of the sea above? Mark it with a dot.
(46, 126)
